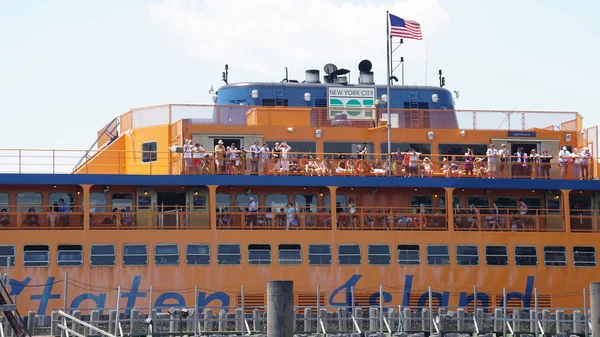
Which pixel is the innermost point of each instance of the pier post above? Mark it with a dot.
(595, 306)
(280, 309)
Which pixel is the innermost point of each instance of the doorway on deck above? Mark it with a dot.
(171, 204)
(239, 142)
(527, 147)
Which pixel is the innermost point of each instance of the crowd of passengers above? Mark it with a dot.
(410, 163)
(351, 217)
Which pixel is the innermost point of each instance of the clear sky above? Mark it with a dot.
(69, 66)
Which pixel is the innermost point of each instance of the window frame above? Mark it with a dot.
(239, 254)
(437, 245)
(537, 259)
(22, 208)
(149, 152)
(464, 255)
(128, 255)
(497, 265)
(259, 262)
(58, 263)
(114, 255)
(48, 257)
(348, 245)
(167, 255)
(564, 251)
(279, 254)
(187, 254)
(319, 254)
(587, 266)
(12, 260)
(389, 254)
(398, 250)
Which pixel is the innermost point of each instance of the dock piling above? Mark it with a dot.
(595, 308)
(280, 309)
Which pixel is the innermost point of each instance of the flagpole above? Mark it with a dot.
(389, 110)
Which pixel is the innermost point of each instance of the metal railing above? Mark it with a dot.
(299, 164)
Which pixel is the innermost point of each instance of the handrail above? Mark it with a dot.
(87, 325)
(115, 123)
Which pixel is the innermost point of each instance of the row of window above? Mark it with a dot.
(103, 255)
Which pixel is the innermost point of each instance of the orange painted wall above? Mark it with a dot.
(133, 147)
(108, 161)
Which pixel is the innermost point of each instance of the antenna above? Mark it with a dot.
(286, 79)
(225, 76)
(211, 90)
(442, 79)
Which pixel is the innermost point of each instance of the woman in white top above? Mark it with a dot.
(352, 210)
(576, 164)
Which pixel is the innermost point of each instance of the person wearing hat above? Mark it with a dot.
(219, 157)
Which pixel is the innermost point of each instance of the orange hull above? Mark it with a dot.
(220, 286)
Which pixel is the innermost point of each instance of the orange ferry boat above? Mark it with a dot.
(293, 181)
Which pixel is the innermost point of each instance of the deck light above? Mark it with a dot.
(568, 138)
(307, 97)
(254, 94)
(462, 133)
(53, 186)
(435, 98)
(291, 129)
(318, 133)
(430, 135)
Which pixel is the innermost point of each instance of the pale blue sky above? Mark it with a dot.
(69, 66)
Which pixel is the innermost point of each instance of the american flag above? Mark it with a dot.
(405, 28)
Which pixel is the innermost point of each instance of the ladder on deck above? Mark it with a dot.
(10, 312)
(413, 104)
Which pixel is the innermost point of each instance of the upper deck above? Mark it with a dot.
(150, 141)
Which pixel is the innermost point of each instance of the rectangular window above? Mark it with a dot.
(479, 202)
(526, 256)
(103, 255)
(259, 254)
(334, 149)
(198, 255)
(122, 200)
(496, 255)
(149, 152)
(459, 150)
(69, 256)
(349, 254)
(135, 255)
(438, 255)
(584, 256)
(423, 148)
(229, 254)
(98, 202)
(555, 256)
(166, 255)
(379, 255)
(467, 255)
(298, 147)
(319, 255)
(7, 256)
(29, 200)
(36, 256)
(290, 254)
(409, 255)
